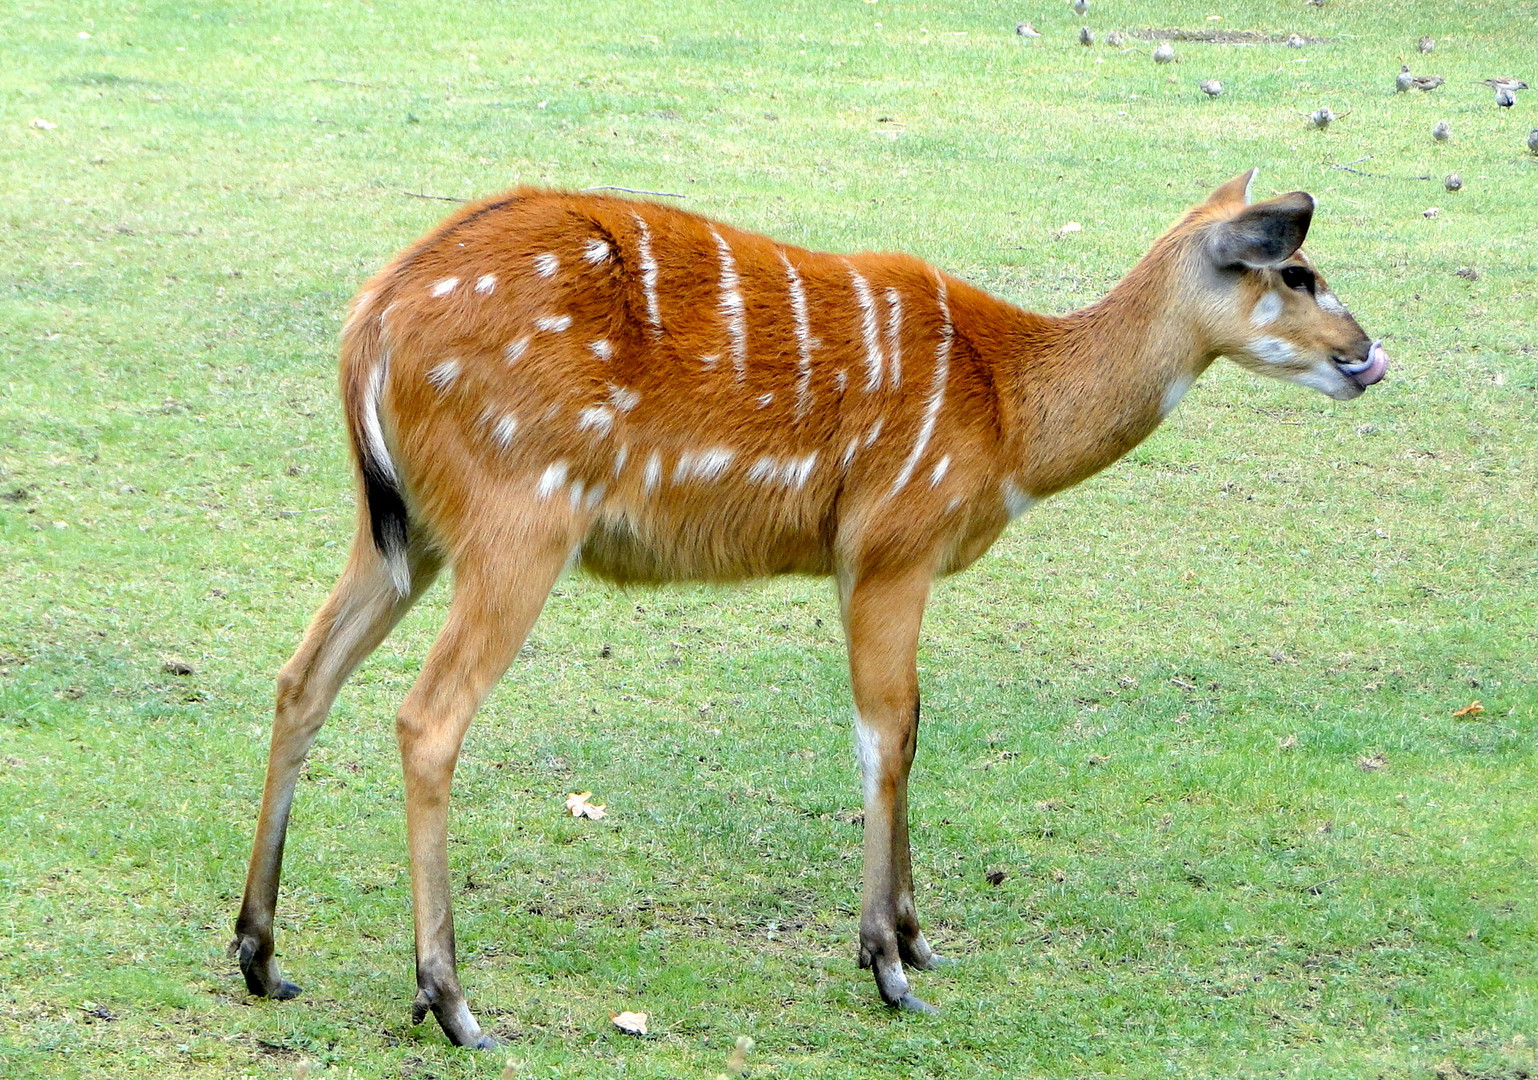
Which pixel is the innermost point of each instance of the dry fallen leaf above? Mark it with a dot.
(1473, 708)
(1288, 743)
(1069, 227)
(44, 125)
(737, 1063)
(579, 806)
(1373, 762)
(995, 877)
(631, 1023)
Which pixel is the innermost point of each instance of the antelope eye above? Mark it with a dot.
(1298, 277)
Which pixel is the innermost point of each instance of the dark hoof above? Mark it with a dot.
(909, 1003)
(261, 973)
(485, 1042)
(286, 991)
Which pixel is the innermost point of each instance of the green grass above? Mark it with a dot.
(1271, 589)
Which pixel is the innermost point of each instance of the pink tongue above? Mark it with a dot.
(1377, 364)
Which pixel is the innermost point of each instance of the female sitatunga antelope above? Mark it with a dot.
(549, 377)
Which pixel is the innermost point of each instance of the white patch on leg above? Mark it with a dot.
(1267, 310)
(867, 752)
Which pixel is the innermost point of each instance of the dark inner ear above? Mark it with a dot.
(1265, 234)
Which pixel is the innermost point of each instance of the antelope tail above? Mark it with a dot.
(365, 367)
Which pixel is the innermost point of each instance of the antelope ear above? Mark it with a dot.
(1265, 234)
(1236, 190)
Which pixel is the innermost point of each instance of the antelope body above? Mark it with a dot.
(548, 376)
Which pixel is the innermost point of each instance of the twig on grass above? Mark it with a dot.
(1347, 167)
(634, 191)
(440, 198)
(364, 85)
(1278, 419)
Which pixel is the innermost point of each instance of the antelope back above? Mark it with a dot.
(697, 401)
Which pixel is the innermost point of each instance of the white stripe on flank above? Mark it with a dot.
(894, 326)
(652, 472)
(648, 272)
(702, 464)
(870, 328)
(732, 307)
(789, 473)
(442, 377)
(936, 388)
(444, 287)
(486, 284)
(763, 470)
(875, 430)
(547, 264)
(599, 418)
(941, 467)
(553, 323)
(601, 348)
(553, 477)
(596, 251)
(623, 398)
(796, 470)
(503, 432)
(514, 350)
(805, 343)
(854, 444)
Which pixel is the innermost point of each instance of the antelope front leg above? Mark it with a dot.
(881, 624)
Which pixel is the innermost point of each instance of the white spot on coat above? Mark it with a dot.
(442, 377)
(849, 451)
(547, 264)
(702, 464)
(445, 286)
(623, 398)
(938, 473)
(599, 418)
(596, 251)
(575, 494)
(551, 479)
(619, 459)
(553, 323)
(601, 348)
(486, 284)
(875, 431)
(765, 400)
(653, 471)
(513, 351)
(504, 429)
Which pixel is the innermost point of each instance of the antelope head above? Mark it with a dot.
(1265, 305)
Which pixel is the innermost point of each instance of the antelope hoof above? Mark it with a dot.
(934, 962)
(261, 971)
(454, 1017)
(909, 1003)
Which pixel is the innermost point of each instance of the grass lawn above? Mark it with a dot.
(1199, 711)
